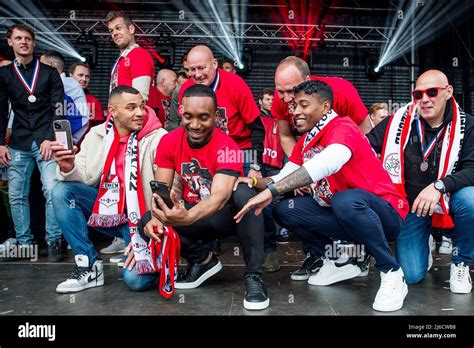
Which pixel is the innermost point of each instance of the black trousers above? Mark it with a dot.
(196, 239)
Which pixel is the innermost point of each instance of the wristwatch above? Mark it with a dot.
(439, 185)
(255, 167)
(273, 190)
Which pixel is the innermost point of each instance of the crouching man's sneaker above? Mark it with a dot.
(460, 280)
(256, 297)
(392, 291)
(334, 272)
(83, 276)
(311, 265)
(198, 273)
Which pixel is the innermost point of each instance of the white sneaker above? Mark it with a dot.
(432, 243)
(446, 246)
(430, 260)
(459, 279)
(392, 291)
(7, 245)
(332, 273)
(83, 276)
(117, 246)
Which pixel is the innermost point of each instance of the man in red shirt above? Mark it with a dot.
(165, 83)
(81, 73)
(354, 198)
(207, 162)
(135, 66)
(237, 112)
(292, 71)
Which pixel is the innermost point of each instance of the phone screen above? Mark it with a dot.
(61, 137)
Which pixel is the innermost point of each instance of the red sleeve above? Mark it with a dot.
(279, 108)
(349, 103)
(247, 107)
(99, 112)
(141, 63)
(345, 133)
(165, 153)
(296, 154)
(228, 155)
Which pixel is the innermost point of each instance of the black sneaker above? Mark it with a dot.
(283, 236)
(256, 297)
(197, 273)
(43, 250)
(55, 252)
(311, 265)
(364, 265)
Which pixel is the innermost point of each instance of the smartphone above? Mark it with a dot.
(162, 189)
(63, 134)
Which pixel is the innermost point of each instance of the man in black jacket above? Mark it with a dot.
(428, 149)
(35, 91)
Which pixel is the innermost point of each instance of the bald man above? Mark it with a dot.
(237, 112)
(427, 147)
(166, 83)
(291, 72)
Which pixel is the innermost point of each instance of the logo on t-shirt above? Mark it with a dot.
(198, 180)
(221, 121)
(392, 164)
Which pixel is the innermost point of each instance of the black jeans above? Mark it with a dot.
(355, 216)
(196, 238)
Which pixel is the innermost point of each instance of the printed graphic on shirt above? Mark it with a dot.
(322, 189)
(222, 121)
(198, 179)
(166, 103)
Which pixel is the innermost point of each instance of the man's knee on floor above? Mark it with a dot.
(135, 281)
(413, 275)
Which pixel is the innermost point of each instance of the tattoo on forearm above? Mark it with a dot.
(178, 185)
(299, 178)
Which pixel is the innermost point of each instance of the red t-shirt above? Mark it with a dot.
(138, 62)
(95, 108)
(346, 101)
(163, 108)
(236, 106)
(197, 167)
(363, 170)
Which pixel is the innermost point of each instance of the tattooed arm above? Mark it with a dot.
(299, 178)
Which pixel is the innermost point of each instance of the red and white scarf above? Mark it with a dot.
(396, 139)
(109, 211)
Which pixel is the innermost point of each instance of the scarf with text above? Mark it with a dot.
(396, 139)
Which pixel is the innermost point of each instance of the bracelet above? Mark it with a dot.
(273, 190)
(254, 181)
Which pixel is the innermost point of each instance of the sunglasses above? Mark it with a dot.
(430, 92)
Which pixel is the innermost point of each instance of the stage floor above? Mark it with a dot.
(28, 288)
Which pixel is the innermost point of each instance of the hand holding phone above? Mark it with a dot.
(162, 189)
(63, 134)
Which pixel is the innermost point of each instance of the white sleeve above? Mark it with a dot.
(142, 83)
(328, 161)
(289, 168)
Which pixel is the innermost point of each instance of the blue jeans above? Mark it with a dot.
(412, 242)
(139, 282)
(19, 174)
(73, 203)
(354, 216)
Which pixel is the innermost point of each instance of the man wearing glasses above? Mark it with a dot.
(427, 147)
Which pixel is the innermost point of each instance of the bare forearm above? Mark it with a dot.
(299, 178)
(208, 207)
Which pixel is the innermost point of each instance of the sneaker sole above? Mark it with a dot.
(271, 270)
(350, 273)
(256, 306)
(214, 270)
(445, 251)
(299, 277)
(112, 252)
(394, 308)
(87, 286)
(282, 243)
